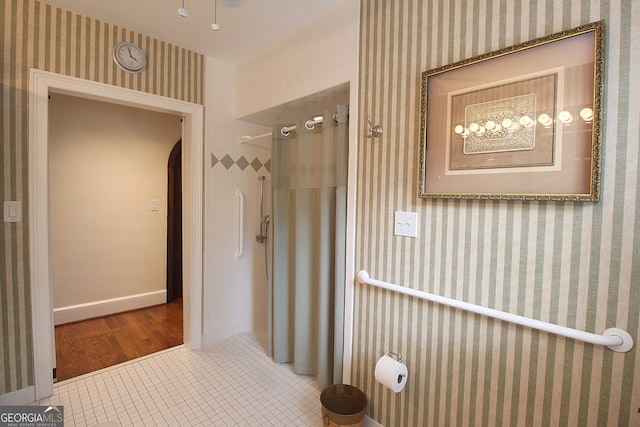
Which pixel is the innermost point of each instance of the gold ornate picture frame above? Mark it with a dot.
(520, 123)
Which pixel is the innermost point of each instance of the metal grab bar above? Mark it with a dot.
(264, 220)
(245, 139)
(616, 339)
(240, 224)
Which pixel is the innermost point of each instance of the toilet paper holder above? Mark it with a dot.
(397, 355)
(391, 372)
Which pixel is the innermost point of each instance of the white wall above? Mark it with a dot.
(319, 56)
(106, 163)
(235, 290)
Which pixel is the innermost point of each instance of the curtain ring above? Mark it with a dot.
(283, 132)
(309, 127)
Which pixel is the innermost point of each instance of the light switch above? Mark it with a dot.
(155, 206)
(406, 224)
(12, 211)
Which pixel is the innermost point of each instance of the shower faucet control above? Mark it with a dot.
(264, 219)
(264, 226)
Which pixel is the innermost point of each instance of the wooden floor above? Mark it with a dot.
(93, 344)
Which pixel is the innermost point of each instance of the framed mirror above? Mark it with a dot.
(520, 123)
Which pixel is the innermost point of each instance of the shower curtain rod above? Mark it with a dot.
(309, 124)
(245, 139)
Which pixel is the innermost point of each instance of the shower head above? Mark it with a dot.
(182, 11)
(215, 26)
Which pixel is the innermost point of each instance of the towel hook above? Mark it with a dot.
(375, 131)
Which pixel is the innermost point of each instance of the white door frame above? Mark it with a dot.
(41, 84)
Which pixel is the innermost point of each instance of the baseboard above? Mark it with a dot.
(18, 397)
(368, 422)
(74, 313)
(220, 334)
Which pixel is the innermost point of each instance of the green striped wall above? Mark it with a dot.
(567, 263)
(36, 35)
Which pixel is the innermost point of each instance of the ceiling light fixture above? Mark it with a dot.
(215, 26)
(182, 11)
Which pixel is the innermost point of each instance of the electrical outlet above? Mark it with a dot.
(406, 224)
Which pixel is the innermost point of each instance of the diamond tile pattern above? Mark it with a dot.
(242, 163)
(227, 161)
(256, 164)
(229, 383)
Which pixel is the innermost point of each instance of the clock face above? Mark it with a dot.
(129, 57)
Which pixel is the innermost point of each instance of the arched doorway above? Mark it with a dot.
(174, 223)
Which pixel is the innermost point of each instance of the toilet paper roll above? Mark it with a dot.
(391, 373)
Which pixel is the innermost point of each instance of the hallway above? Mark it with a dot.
(93, 344)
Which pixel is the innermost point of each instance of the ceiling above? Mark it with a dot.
(246, 26)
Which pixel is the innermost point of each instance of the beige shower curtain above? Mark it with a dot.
(306, 299)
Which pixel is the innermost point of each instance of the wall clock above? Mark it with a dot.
(129, 57)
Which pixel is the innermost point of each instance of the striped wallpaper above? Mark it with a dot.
(562, 262)
(37, 35)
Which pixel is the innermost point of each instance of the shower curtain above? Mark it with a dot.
(309, 179)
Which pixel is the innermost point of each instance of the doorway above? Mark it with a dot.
(108, 232)
(174, 223)
(41, 84)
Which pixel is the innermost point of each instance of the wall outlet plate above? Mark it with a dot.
(406, 224)
(12, 211)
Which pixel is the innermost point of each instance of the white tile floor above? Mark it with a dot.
(230, 383)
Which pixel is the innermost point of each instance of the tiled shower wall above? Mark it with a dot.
(235, 288)
(36, 35)
(310, 60)
(567, 263)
